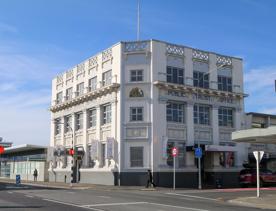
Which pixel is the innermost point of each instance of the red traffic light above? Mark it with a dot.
(71, 152)
(2, 149)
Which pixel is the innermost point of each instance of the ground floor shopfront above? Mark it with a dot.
(23, 160)
(218, 166)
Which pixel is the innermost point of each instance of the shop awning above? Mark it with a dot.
(217, 148)
(256, 135)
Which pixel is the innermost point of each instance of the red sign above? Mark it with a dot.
(71, 152)
(2, 149)
(174, 151)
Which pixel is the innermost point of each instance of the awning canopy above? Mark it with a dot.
(217, 148)
(256, 135)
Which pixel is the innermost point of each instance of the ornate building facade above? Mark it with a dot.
(125, 108)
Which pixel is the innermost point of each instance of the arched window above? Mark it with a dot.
(136, 92)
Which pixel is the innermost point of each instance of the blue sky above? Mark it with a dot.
(40, 38)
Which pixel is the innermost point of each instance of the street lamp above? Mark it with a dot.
(72, 148)
(198, 144)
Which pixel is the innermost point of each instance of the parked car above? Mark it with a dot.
(248, 177)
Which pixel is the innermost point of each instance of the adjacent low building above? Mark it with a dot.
(125, 108)
(23, 160)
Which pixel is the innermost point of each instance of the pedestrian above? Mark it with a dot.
(150, 179)
(35, 175)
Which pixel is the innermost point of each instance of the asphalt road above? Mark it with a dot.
(31, 198)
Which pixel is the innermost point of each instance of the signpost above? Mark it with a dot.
(198, 155)
(258, 155)
(174, 154)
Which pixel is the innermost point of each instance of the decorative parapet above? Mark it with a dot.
(107, 55)
(136, 46)
(59, 81)
(223, 60)
(93, 62)
(69, 75)
(80, 68)
(200, 55)
(175, 50)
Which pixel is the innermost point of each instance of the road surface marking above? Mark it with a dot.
(191, 196)
(73, 205)
(70, 192)
(115, 204)
(10, 192)
(105, 197)
(29, 196)
(178, 207)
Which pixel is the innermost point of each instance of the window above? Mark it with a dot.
(225, 116)
(69, 93)
(59, 98)
(201, 79)
(136, 92)
(107, 78)
(67, 124)
(80, 89)
(175, 75)
(136, 114)
(136, 156)
(79, 121)
(175, 112)
(227, 159)
(107, 114)
(136, 75)
(57, 126)
(92, 84)
(225, 83)
(180, 158)
(202, 114)
(92, 117)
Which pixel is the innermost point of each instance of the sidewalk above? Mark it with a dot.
(79, 186)
(266, 201)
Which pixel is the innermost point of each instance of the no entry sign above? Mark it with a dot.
(174, 151)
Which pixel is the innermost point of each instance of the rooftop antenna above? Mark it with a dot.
(138, 20)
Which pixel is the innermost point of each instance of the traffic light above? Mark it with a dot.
(2, 149)
(71, 152)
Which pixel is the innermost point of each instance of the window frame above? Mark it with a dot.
(80, 89)
(201, 79)
(135, 76)
(224, 117)
(201, 117)
(139, 116)
(57, 126)
(69, 93)
(173, 75)
(227, 86)
(92, 83)
(173, 112)
(107, 118)
(107, 78)
(79, 121)
(59, 97)
(140, 160)
(92, 118)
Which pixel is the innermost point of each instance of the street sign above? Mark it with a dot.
(198, 152)
(2, 150)
(260, 155)
(174, 151)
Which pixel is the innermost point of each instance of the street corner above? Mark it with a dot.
(265, 202)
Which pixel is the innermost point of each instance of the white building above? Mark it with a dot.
(130, 104)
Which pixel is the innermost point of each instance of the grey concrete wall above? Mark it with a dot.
(60, 176)
(100, 178)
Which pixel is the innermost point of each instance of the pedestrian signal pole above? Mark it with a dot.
(174, 154)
